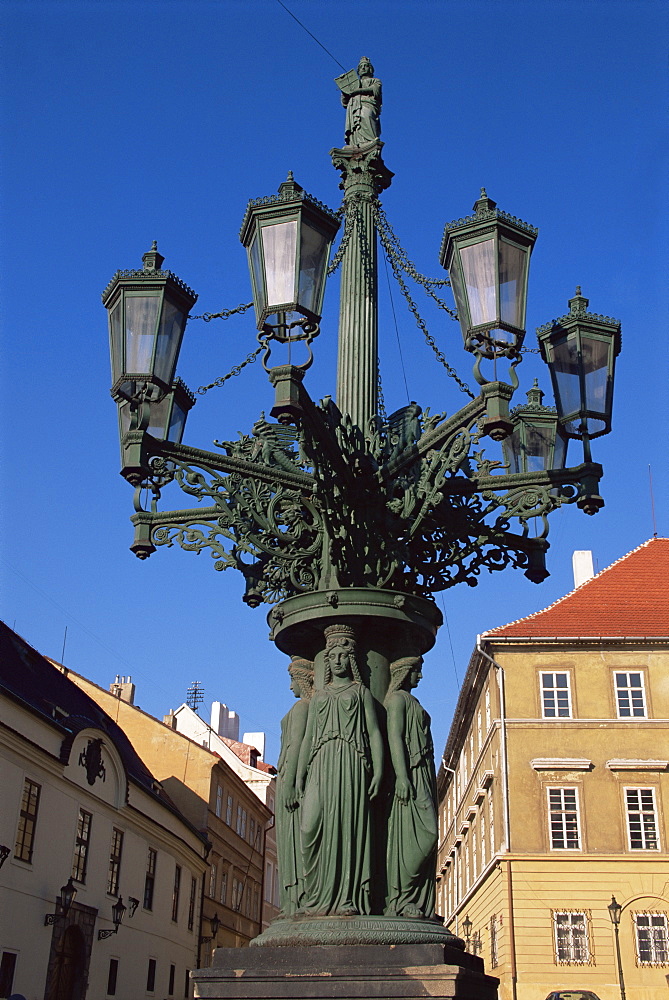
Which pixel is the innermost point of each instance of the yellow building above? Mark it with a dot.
(554, 791)
(212, 795)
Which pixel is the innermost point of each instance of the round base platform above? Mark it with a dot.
(304, 930)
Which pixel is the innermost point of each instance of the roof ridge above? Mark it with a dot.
(559, 600)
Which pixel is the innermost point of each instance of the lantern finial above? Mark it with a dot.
(152, 259)
(289, 188)
(579, 304)
(484, 203)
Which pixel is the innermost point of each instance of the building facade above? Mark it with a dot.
(206, 786)
(81, 812)
(554, 791)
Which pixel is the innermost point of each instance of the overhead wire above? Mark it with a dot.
(311, 35)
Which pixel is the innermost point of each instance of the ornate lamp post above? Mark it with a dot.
(615, 909)
(346, 522)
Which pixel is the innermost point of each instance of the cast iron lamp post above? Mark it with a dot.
(345, 521)
(615, 909)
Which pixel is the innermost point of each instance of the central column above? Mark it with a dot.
(364, 176)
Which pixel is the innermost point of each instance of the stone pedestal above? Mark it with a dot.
(345, 973)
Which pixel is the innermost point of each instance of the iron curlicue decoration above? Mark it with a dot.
(347, 522)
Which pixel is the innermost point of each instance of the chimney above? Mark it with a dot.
(581, 562)
(124, 689)
(224, 721)
(256, 740)
(170, 720)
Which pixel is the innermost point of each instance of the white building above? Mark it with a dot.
(80, 807)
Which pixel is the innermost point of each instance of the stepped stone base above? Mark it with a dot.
(385, 972)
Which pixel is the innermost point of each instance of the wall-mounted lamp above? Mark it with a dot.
(4, 854)
(118, 912)
(214, 923)
(467, 930)
(63, 903)
(133, 903)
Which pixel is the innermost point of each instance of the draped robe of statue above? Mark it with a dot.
(289, 851)
(335, 813)
(412, 825)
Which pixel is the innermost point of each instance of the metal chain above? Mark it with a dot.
(250, 358)
(380, 401)
(420, 322)
(224, 314)
(395, 248)
(345, 240)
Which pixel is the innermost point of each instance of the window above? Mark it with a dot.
(641, 821)
(479, 730)
(212, 881)
(7, 968)
(268, 882)
(187, 984)
(487, 709)
(191, 903)
(175, 893)
(151, 976)
(112, 976)
(571, 938)
(219, 800)
(224, 886)
(494, 956)
(115, 853)
(491, 822)
(81, 844)
(228, 811)
(25, 835)
(241, 822)
(564, 831)
(252, 832)
(630, 695)
(237, 893)
(170, 985)
(652, 940)
(555, 696)
(150, 878)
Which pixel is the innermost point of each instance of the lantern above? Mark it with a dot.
(118, 912)
(580, 350)
(535, 444)
(288, 238)
(167, 415)
(147, 315)
(66, 898)
(487, 256)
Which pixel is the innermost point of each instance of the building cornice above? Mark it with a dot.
(620, 764)
(561, 764)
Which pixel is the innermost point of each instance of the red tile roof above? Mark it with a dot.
(630, 599)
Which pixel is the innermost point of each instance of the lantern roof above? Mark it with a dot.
(485, 210)
(534, 403)
(289, 191)
(578, 313)
(150, 272)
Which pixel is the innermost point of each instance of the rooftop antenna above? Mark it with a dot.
(652, 501)
(195, 695)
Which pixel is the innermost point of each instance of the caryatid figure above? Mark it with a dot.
(289, 849)
(339, 771)
(412, 825)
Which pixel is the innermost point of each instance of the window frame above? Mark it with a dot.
(629, 688)
(112, 979)
(8, 970)
(218, 801)
(176, 891)
(150, 878)
(82, 843)
(24, 842)
(572, 958)
(545, 689)
(640, 813)
(563, 812)
(653, 961)
(192, 898)
(151, 970)
(115, 857)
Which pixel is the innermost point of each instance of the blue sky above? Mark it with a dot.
(126, 122)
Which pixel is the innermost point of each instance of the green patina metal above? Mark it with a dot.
(347, 522)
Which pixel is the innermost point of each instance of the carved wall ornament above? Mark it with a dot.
(91, 759)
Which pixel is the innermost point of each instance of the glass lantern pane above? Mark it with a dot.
(116, 341)
(158, 417)
(459, 293)
(566, 370)
(511, 446)
(478, 265)
(537, 447)
(124, 418)
(177, 424)
(560, 453)
(169, 341)
(312, 263)
(595, 354)
(512, 262)
(256, 268)
(279, 244)
(141, 316)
